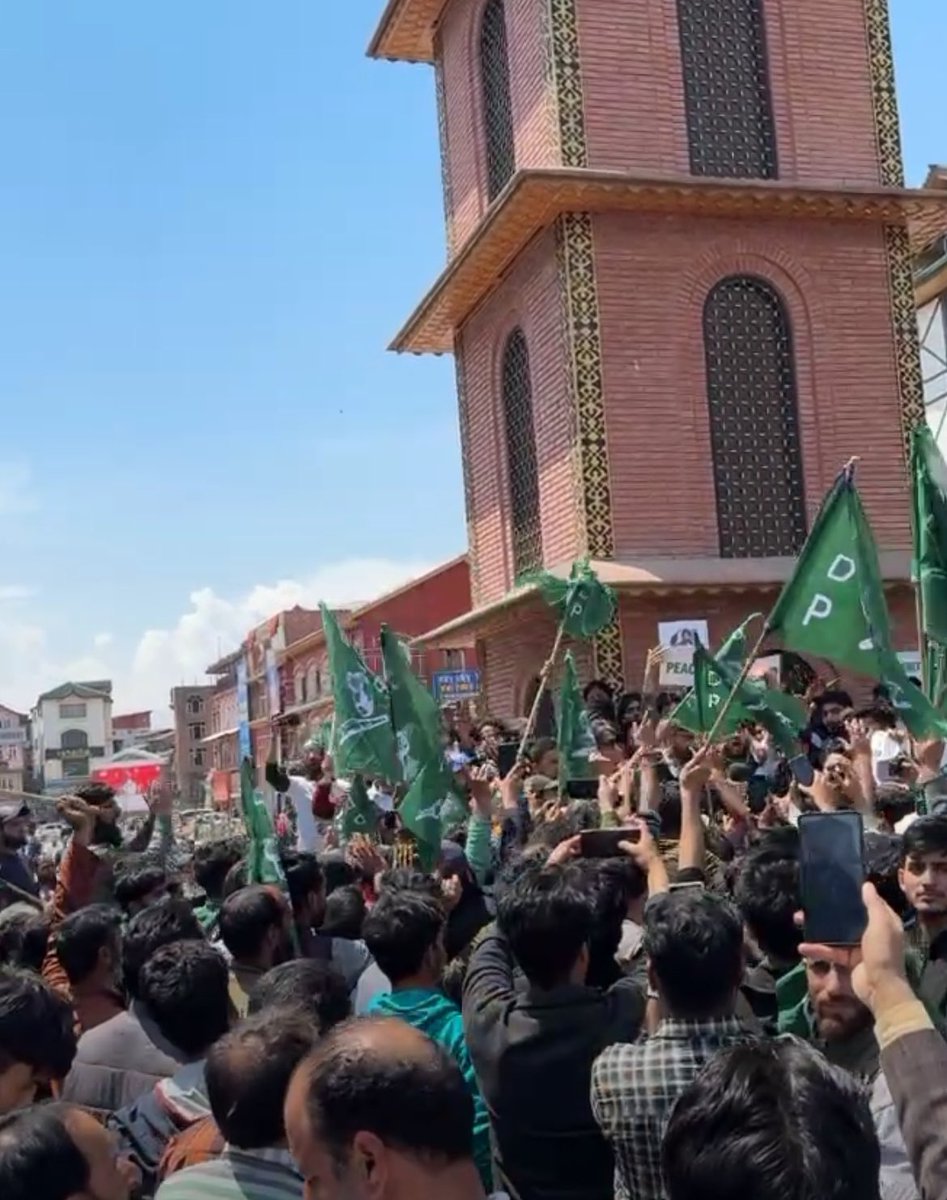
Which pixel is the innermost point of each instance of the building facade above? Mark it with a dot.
(14, 750)
(679, 296)
(929, 238)
(191, 707)
(71, 733)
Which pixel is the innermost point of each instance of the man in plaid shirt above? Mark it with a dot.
(694, 941)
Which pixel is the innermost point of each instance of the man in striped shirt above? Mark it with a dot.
(248, 1073)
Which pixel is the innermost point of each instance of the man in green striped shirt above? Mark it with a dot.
(247, 1074)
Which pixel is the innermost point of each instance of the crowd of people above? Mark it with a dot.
(549, 1014)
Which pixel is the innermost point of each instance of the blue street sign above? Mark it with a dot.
(450, 686)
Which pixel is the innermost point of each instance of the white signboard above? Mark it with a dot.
(679, 639)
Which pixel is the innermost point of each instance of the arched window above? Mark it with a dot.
(521, 455)
(74, 739)
(730, 124)
(312, 686)
(754, 423)
(497, 104)
(195, 705)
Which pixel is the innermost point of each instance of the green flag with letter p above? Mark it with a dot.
(575, 738)
(584, 605)
(834, 605)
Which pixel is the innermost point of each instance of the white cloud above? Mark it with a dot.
(165, 657)
(14, 591)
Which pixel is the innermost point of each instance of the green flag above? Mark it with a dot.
(781, 714)
(576, 740)
(703, 701)
(929, 479)
(263, 860)
(420, 751)
(583, 604)
(359, 813)
(834, 605)
(363, 736)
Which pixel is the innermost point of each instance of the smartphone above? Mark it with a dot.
(582, 789)
(603, 843)
(802, 770)
(831, 874)
(690, 883)
(506, 757)
(757, 793)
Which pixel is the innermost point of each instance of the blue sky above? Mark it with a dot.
(213, 216)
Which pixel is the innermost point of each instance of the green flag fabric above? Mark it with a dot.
(263, 860)
(420, 751)
(359, 813)
(779, 713)
(363, 738)
(583, 604)
(698, 710)
(929, 479)
(735, 650)
(834, 605)
(576, 740)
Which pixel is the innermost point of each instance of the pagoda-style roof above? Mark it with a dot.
(535, 198)
(406, 30)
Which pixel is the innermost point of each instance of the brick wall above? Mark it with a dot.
(654, 274)
(819, 83)
(532, 114)
(529, 297)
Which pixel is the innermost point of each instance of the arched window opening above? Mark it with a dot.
(497, 101)
(754, 421)
(730, 126)
(521, 455)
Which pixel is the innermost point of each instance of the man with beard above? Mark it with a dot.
(307, 786)
(923, 879)
(14, 834)
(256, 928)
(827, 723)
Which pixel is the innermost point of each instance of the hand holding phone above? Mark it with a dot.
(604, 843)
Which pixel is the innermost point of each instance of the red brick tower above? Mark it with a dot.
(679, 296)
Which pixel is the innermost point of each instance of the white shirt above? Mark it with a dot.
(300, 793)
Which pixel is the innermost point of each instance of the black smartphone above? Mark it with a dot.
(582, 789)
(603, 843)
(506, 757)
(802, 770)
(831, 874)
(757, 793)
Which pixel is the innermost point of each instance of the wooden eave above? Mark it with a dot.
(406, 30)
(534, 199)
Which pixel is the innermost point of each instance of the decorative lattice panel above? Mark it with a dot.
(754, 422)
(730, 123)
(497, 104)
(521, 456)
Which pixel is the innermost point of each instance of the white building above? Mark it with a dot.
(929, 239)
(72, 733)
(14, 729)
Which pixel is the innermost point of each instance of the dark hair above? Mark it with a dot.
(694, 942)
(547, 917)
(882, 714)
(185, 987)
(609, 910)
(213, 861)
(338, 871)
(81, 937)
(133, 884)
(246, 917)
(235, 879)
(303, 876)
(768, 896)
(624, 873)
(406, 879)
(415, 1102)
(771, 1120)
(833, 696)
(345, 913)
(36, 1025)
(158, 925)
(926, 835)
(24, 935)
(669, 808)
(38, 1157)
(882, 859)
(248, 1073)
(544, 745)
(401, 928)
(95, 794)
(316, 988)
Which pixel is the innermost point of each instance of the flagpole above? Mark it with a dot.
(741, 680)
(543, 681)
